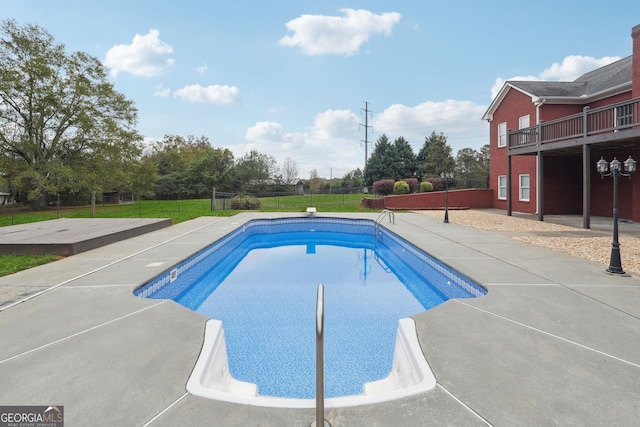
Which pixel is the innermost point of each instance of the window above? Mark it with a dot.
(502, 187)
(523, 122)
(524, 188)
(502, 134)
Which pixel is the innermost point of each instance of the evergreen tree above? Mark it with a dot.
(436, 156)
(472, 168)
(405, 165)
(379, 165)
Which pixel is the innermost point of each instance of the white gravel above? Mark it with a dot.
(593, 248)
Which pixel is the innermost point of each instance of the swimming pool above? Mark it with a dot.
(211, 282)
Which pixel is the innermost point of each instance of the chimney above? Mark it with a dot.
(635, 76)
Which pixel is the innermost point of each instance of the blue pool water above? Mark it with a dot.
(261, 281)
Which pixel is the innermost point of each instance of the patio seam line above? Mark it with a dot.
(601, 302)
(489, 256)
(24, 353)
(104, 266)
(467, 407)
(175, 402)
(552, 335)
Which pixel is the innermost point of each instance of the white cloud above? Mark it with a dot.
(339, 35)
(162, 91)
(572, 67)
(213, 94)
(265, 131)
(202, 69)
(331, 145)
(459, 121)
(145, 56)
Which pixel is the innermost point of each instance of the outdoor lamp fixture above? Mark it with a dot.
(613, 169)
(446, 176)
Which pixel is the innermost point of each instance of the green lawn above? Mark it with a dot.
(177, 210)
(13, 263)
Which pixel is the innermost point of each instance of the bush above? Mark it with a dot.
(383, 187)
(438, 183)
(413, 184)
(400, 187)
(243, 203)
(426, 186)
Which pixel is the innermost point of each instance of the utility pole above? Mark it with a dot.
(366, 131)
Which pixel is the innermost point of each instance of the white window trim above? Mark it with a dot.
(502, 134)
(523, 123)
(522, 187)
(502, 187)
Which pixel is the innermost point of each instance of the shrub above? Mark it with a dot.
(242, 203)
(400, 187)
(438, 183)
(383, 187)
(426, 186)
(413, 184)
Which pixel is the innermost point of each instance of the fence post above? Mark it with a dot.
(213, 199)
(93, 204)
(585, 121)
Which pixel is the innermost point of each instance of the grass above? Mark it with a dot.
(177, 210)
(13, 263)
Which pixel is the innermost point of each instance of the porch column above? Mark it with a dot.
(539, 186)
(586, 186)
(509, 207)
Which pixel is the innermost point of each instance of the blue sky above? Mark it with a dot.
(290, 78)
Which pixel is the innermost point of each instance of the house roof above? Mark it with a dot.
(602, 82)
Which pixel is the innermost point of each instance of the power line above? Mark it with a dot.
(366, 130)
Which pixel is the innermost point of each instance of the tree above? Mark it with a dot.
(63, 127)
(472, 168)
(314, 181)
(254, 170)
(212, 168)
(380, 164)
(406, 165)
(435, 156)
(352, 179)
(290, 171)
(172, 156)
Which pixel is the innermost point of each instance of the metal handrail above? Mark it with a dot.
(385, 212)
(320, 421)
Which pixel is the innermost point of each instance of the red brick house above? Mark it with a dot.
(546, 138)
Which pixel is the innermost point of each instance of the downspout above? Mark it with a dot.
(539, 165)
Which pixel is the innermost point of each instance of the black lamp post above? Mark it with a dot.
(446, 176)
(613, 169)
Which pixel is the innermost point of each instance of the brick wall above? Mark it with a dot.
(635, 34)
(514, 105)
(478, 198)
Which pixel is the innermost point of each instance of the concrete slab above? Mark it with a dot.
(553, 343)
(115, 374)
(68, 236)
(515, 375)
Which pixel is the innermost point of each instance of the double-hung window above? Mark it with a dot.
(523, 122)
(502, 187)
(524, 188)
(502, 134)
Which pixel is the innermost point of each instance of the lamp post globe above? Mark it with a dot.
(613, 169)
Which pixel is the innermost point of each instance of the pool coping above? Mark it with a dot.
(554, 341)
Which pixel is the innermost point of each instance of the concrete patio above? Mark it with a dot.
(554, 342)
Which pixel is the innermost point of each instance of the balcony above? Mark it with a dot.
(615, 123)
